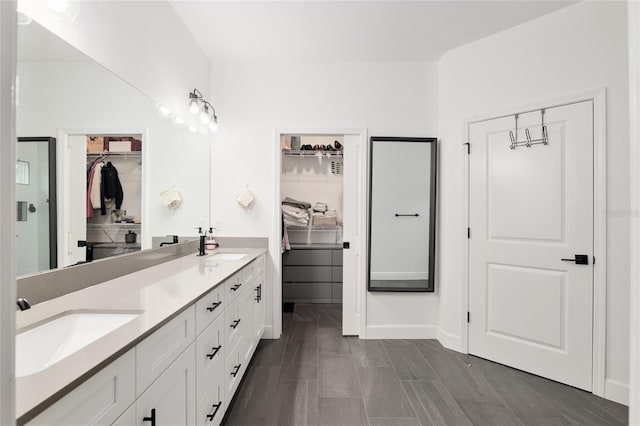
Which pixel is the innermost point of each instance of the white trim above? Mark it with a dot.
(275, 241)
(598, 96)
(392, 276)
(634, 156)
(450, 341)
(616, 391)
(402, 332)
(8, 47)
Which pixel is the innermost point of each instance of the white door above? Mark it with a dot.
(352, 227)
(531, 207)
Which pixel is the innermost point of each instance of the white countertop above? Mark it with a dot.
(158, 293)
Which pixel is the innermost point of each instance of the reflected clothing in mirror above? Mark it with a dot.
(402, 206)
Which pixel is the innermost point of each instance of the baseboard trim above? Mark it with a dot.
(268, 332)
(402, 332)
(616, 391)
(449, 341)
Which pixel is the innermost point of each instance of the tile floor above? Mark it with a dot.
(314, 376)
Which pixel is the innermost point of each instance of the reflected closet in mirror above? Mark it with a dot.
(402, 212)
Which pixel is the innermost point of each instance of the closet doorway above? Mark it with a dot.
(100, 189)
(320, 195)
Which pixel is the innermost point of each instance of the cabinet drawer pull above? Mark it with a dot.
(215, 351)
(236, 287)
(152, 418)
(216, 408)
(235, 323)
(214, 306)
(258, 293)
(236, 370)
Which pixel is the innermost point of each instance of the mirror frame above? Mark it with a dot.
(53, 200)
(432, 213)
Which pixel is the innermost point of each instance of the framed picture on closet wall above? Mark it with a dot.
(402, 214)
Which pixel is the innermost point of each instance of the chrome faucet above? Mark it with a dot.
(23, 304)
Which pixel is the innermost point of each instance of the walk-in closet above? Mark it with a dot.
(311, 189)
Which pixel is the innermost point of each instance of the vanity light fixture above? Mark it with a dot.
(199, 105)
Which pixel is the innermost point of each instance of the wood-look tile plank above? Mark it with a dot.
(303, 333)
(368, 353)
(330, 316)
(332, 341)
(574, 404)
(269, 352)
(383, 393)
(305, 312)
(338, 376)
(488, 414)
(300, 362)
(341, 412)
(385, 421)
(408, 362)
(252, 403)
(433, 404)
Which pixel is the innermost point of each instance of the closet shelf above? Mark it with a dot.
(115, 154)
(306, 153)
(112, 225)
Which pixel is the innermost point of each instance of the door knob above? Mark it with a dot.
(580, 259)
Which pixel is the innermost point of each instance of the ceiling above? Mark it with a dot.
(349, 30)
(37, 44)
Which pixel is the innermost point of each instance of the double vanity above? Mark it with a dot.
(167, 345)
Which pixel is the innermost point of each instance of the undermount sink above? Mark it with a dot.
(43, 346)
(228, 256)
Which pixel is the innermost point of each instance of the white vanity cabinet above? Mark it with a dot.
(184, 373)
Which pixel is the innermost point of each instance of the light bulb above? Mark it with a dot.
(205, 118)
(213, 126)
(194, 106)
(179, 121)
(192, 128)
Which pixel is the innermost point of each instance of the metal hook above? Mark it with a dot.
(526, 133)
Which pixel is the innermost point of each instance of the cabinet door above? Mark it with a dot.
(210, 352)
(171, 399)
(98, 401)
(247, 335)
(257, 315)
(213, 403)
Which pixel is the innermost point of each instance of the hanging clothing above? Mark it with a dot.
(111, 187)
(90, 176)
(95, 187)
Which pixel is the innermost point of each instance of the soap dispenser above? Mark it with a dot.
(210, 244)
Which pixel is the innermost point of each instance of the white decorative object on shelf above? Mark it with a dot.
(245, 198)
(172, 198)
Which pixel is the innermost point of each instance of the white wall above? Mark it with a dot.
(256, 98)
(579, 48)
(82, 96)
(143, 42)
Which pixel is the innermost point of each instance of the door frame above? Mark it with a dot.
(598, 96)
(62, 151)
(361, 205)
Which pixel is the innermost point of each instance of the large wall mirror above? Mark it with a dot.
(96, 118)
(402, 210)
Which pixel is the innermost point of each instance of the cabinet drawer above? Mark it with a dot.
(155, 353)
(211, 406)
(233, 286)
(210, 349)
(336, 274)
(253, 269)
(234, 368)
(307, 292)
(336, 292)
(336, 257)
(307, 273)
(209, 308)
(98, 401)
(233, 324)
(306, 257)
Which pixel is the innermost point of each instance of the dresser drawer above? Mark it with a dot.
(210, 350)
(233, 286)
(234, 323)
(155, 353)
(209, 308)
(307, 257)
(213, 403)
(307, 274)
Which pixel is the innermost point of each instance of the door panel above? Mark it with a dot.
(529, 208)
